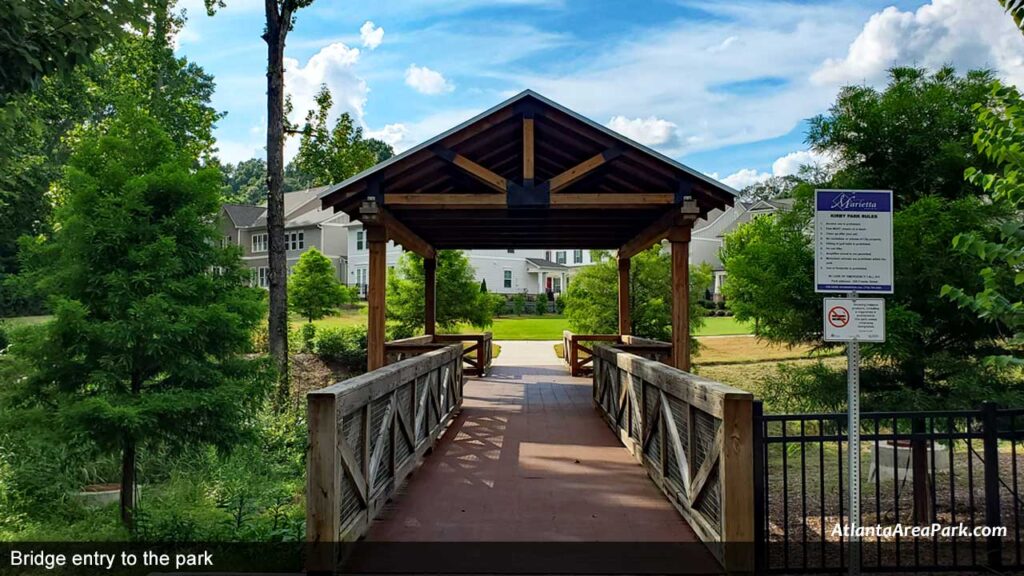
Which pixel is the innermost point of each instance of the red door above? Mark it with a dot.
(549, 284)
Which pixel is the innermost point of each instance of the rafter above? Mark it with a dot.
(528, 150)
(567, 178)
(684, 215)
(492, 180)
(372, 214)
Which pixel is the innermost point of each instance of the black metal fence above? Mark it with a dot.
(959, 470)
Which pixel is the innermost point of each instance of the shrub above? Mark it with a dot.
(560, 304)
(541, 306)
(519, 304)
(811, 388)
(345, 345)
(308, 331)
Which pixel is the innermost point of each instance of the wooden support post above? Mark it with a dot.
(429, 296)
(528, 151)
(625, 322)
(737, 477)
(680, 239)
(377, 239)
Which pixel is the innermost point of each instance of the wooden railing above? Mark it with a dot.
(578, 353)
(476, 356)
(695, 438)
(367, 434)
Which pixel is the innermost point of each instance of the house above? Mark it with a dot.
(709, 233)
(504, 271)
(344, 242)
(306, 226)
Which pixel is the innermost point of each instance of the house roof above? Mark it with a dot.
(528, 173)
(243, 215)
(546, 264)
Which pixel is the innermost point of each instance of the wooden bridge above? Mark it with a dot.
(518, 453)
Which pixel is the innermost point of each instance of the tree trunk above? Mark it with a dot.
(277, 30)
(127, 497)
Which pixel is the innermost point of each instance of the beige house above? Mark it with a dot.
(306, 226)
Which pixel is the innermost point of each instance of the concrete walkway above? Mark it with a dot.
(529, 460)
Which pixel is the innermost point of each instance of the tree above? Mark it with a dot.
(913, 137)
(313, 289)
(245, 182)
(931, 347)
(328, 156)
(1016, 10)
(151, 314)
(591, 301)
(1000, 138)
(459, 299)
(41, 39)
(771, 188)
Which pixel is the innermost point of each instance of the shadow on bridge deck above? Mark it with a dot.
(529, 460)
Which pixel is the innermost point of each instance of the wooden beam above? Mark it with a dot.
(528, 152)
(442, 201)
(567, 178)
(680, 239)
(396, 230)
(492, 180)
(625, 323)
(429, 296)
(376, 236)
(604, 199)
(685, 215)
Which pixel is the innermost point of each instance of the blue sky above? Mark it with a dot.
(724, 86)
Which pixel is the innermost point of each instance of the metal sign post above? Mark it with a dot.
(853, 253)
(853, 425)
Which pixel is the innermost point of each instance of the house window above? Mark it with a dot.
(556, 285)
(511, 251)
(577, 256)
(259, 242)
(296, 240)
(547, 255)
(359, 240)
(361, 280)
(263, 277)
(506, 280)
(560, 257)
(225, 242)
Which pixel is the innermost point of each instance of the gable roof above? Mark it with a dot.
(528, 173)
(546, 264)
(243, 215)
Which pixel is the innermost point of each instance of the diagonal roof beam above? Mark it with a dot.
(572, 175)
(492, 180)
(684, 215)
(370, 213)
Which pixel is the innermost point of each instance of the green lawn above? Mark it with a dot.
(724, 326)
(23, 320)
(525, 328)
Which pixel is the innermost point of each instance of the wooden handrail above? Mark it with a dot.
(579, 357)
(695, 438)
(366, 435)
(476, 356)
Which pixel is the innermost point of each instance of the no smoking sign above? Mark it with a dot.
(854, 320)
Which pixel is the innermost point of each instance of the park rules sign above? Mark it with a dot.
(853, 241)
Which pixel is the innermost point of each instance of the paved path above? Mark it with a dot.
(528, 459)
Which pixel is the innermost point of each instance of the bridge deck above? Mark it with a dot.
(529, 459)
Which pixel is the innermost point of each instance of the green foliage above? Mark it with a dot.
(518, 303)
(245, 182)
(459, 300)
(308, 336)
(913, 137)
(931, 345)
(44, 38)
(591, 302)
(150, 312)
(800, 389)
(560, 304)
(346, 345)
(331, 155)
(998, 299)
(313, 288)
(541, 305)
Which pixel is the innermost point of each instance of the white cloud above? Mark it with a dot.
(335, 66)
(392, 134)
(792, 163)
(743, 178)
(964, 33)
(370, 35)
(426, 81)
(650, 131)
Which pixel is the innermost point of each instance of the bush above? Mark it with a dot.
(541, 306)
(519, 304)
(308, 331)
(346, 346)
(560, 304)
(720, 304)
(795, 389)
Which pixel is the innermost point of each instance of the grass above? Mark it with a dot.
(25, 320)
(524, 328)
(723, 326)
